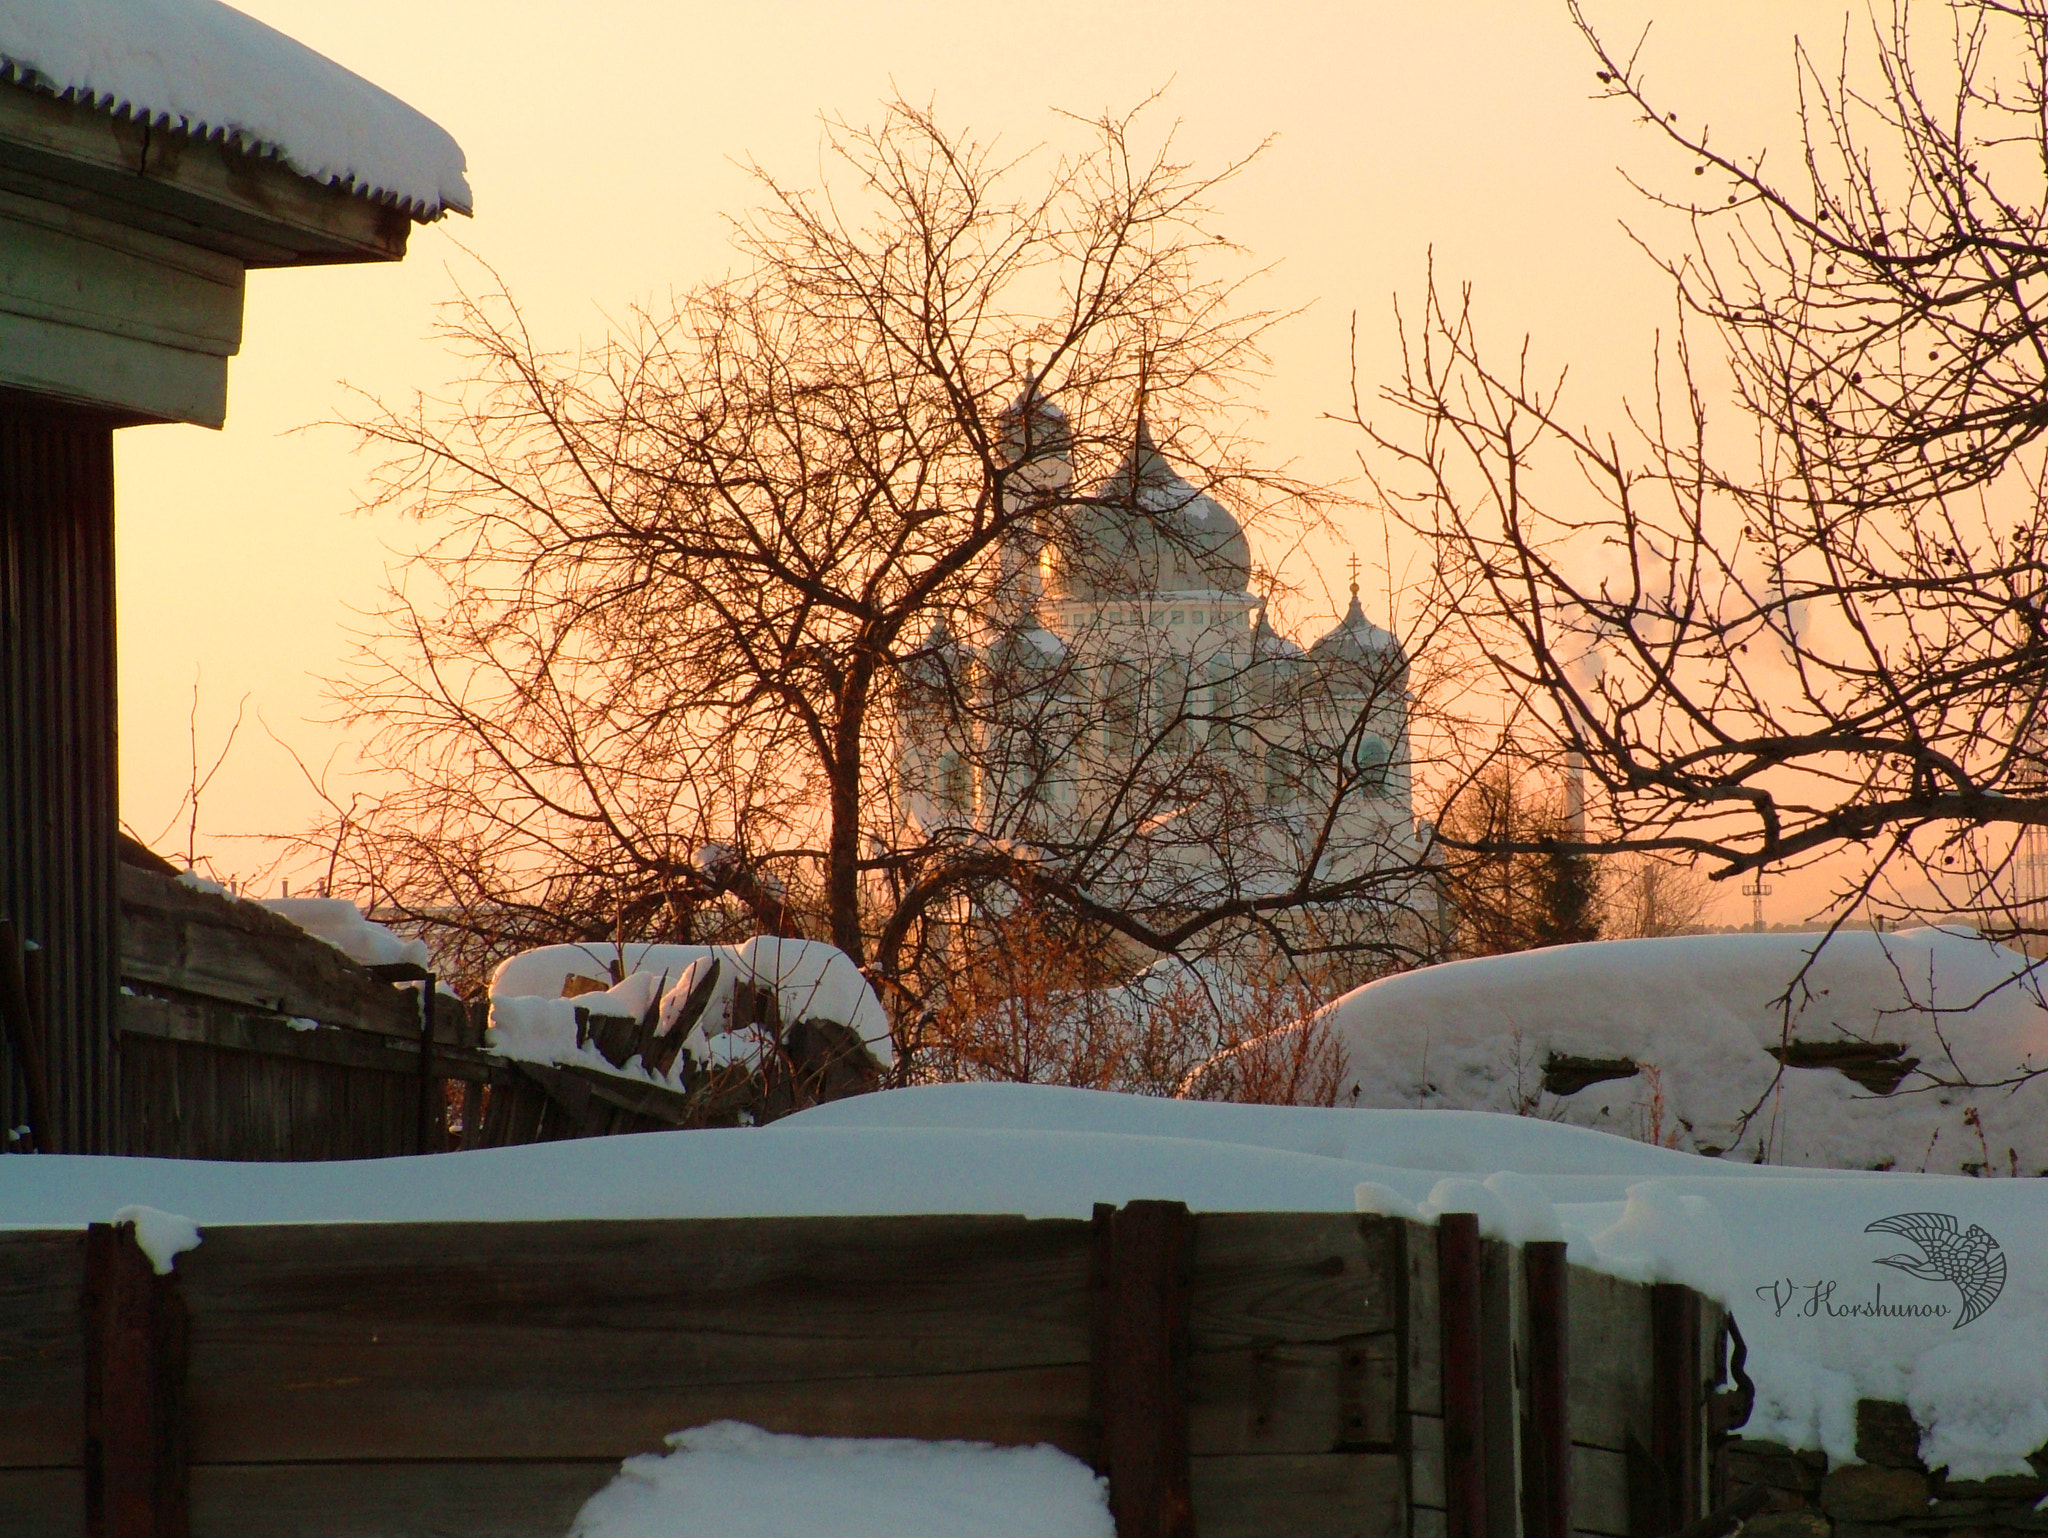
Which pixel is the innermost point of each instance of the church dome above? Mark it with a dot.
(933, 672)
(1025, 656)
(1372, 657)
(1147, 530)
(1032, 427)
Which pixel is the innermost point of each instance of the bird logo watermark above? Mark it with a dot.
(1969, 1259)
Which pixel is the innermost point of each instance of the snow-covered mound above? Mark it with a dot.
(810, 980)
(1792, 1252)
(729, 1480)
(342, 925)
(1899, 1051)
(209, 70)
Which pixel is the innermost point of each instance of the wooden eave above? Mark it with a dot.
(201, 192)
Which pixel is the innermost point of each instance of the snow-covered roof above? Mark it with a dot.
(208, 70)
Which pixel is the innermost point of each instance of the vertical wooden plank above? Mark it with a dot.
(1676, 1426)
(432, 1137)
(1464, 1373)
(57, 764)
(1500, 1308)
(1546, 1424)
(1144, 1256)
(135, 1453)
(24, 1039)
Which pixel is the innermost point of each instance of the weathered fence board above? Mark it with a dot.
(1600, 1493)
(380, 1500)
(1547, 1440)
(184, 1101)
(43, 1503)
(1610, 1361)
(1300, 1276)
(1296, 1397)
(1503, 1315)
(176, 938)
(484, 1340)
(42, 1349)
(1300, 1497)
(206, 1022)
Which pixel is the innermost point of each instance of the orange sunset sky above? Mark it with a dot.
(604, 141)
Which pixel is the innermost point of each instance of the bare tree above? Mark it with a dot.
(1648, 896)
(1511, 877)
(737, 621)
(1811, 621)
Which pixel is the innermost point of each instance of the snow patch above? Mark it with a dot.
(341, 924)
(731, 1480)
(162, 1236)
(810, 979)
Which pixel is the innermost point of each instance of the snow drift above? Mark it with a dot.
(1719, 1044)
(341, 924)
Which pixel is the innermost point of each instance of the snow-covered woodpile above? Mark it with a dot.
(706, 1035)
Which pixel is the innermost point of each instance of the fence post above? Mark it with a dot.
(1676, 1392)
(1464, 1373)
(1547, 1459)
(1143, 1265)
(135, 1452)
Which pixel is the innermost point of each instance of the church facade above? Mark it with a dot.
(1121, 698)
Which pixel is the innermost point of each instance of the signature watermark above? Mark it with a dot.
(1968, 1259)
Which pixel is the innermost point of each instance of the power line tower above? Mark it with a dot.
(1757, 891)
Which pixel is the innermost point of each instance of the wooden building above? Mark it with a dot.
(149, 159)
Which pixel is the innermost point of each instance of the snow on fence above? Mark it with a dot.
(1313, 1374)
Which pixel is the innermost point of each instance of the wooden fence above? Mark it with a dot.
(1234, 1374)
(242, 1037)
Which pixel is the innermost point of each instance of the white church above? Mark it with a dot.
(1120, 691)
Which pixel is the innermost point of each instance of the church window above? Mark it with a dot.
(1120, 705)
(1222, 702)
(956, 782)
(1371, 758)
(1174, 705)
(1282, 777)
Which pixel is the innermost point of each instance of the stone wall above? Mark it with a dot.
(1890, 1493)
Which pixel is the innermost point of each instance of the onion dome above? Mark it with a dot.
(1146, 530)
(1360, 653)
(937, 668)
(1269, 645)
(1027, 650)
(1032, 427)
